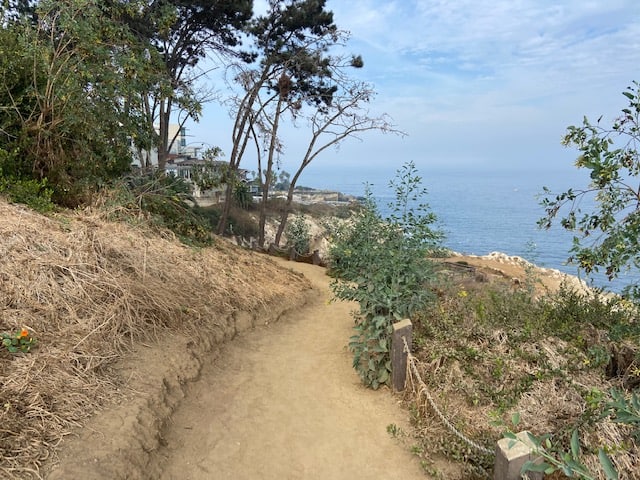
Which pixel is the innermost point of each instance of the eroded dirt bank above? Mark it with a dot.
(283, 402)
(280, 401)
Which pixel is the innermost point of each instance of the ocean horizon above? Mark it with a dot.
(482, 211)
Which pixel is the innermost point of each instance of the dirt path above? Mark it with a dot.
(282, 402)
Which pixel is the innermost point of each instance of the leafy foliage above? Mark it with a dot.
(242, 195)
(620, 408)
(607, 235)
(182, 34)
(298, 235)
(62, 76)
(383, 264)
(569, 462)
(21, 341)
(84, 80)
(34, 193)
(166, 203)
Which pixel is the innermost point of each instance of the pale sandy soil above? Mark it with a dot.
(280, 401)
(284, 403)
(519, 271)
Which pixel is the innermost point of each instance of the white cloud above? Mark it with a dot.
(504, 70)
(479, 81)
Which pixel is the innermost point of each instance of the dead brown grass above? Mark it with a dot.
(479, 370)
(88, 290)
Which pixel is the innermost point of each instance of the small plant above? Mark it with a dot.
(298, 235)
(619, 408)
(625, 410)
(21, 341)
(394, 430)
(36, 194)
(567, 462)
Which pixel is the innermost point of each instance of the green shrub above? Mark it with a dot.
(242, 195)
(35, 194)
(166, 202)
(382, 263)
(298, 235)
(566, 312)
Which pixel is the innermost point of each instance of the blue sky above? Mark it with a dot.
(478, 84)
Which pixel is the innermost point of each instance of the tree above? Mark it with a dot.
(605, 216)
(345, 117)
(290, 41)
(61, 75)
(283, 181)
(212, 172)
(187, 31)
(13, 10)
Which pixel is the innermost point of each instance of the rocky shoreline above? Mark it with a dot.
(520, 271)
(309, 196)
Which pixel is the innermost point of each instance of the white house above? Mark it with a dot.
(149, 159)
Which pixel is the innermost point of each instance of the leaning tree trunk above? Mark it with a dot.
(269, 172)
(241, 134)
(163, 144)
(284, 217)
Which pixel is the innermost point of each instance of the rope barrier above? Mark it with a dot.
(414, 374)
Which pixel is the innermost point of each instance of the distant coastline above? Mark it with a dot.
(308, 195)
(487, 211)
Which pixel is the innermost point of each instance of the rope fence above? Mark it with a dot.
(419, 388)
(509, 456)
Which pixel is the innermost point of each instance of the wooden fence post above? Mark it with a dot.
(511, 455)
(401, 329)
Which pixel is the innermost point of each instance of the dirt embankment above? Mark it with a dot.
(95, 295)
(133, 375)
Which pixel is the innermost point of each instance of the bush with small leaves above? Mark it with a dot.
(298, 235)
(383, 264)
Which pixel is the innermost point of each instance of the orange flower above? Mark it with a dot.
(23, 333)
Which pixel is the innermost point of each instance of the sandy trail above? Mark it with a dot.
(282, 402)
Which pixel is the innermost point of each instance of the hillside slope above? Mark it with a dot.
(94, 294)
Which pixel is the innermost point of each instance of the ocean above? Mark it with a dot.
(484, 211)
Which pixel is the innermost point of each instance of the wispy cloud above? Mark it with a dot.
(482, 82)
(496, 36)
(453, 71)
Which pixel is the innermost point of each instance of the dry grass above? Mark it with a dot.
(550, 406)
(480, 366)
(88, 290)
